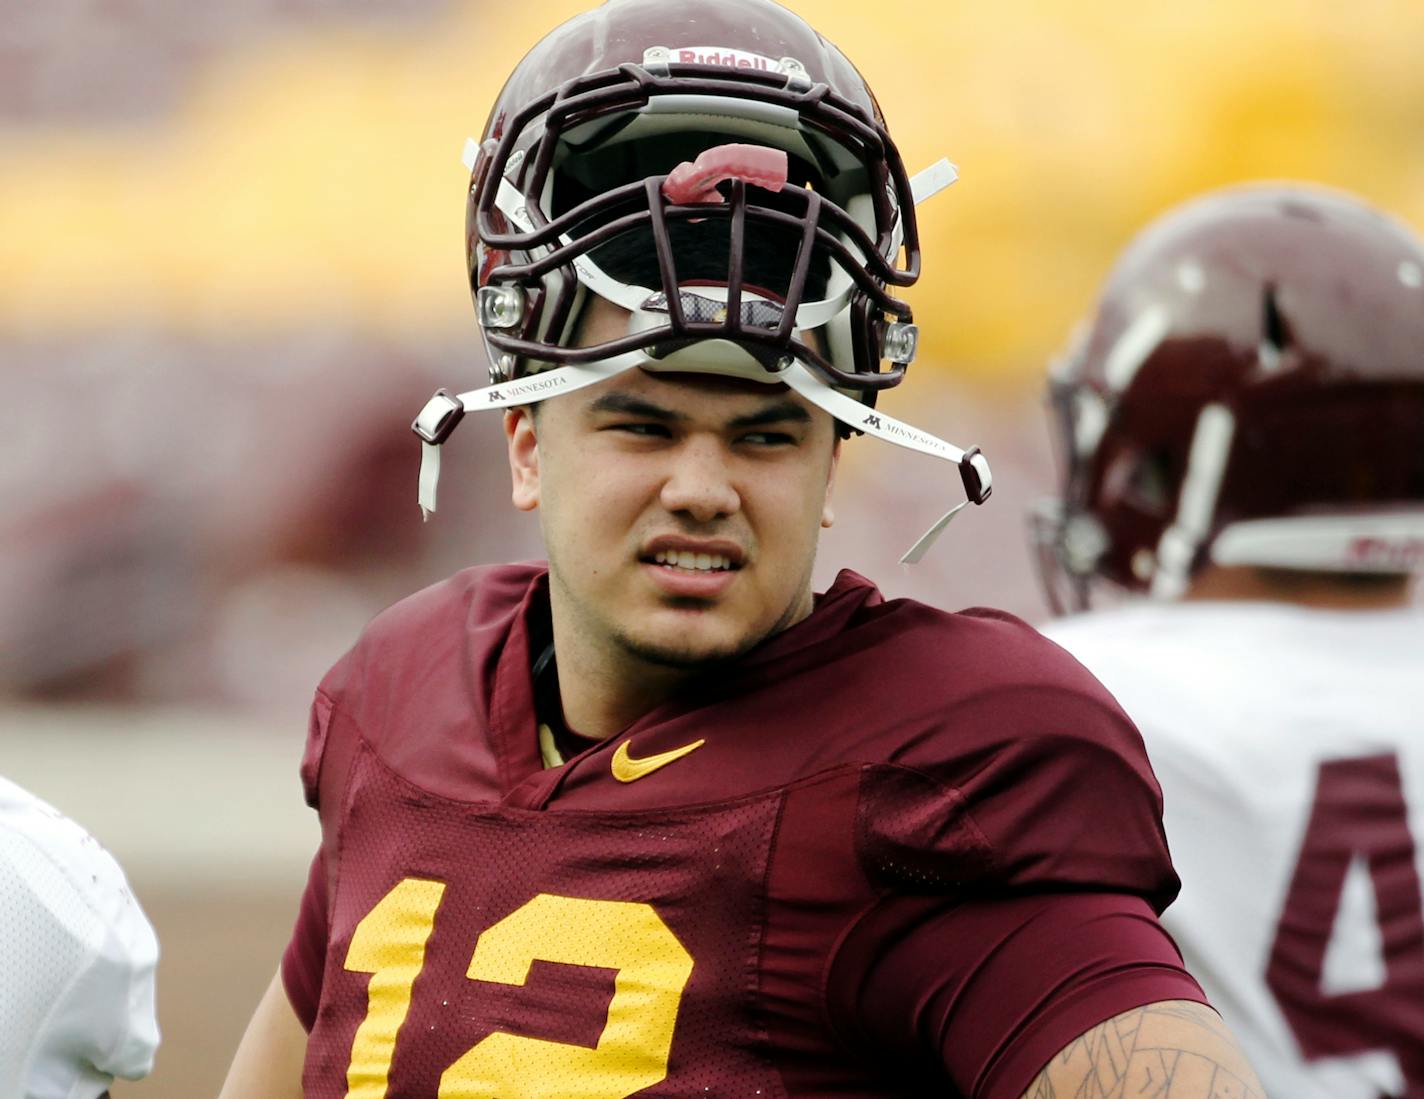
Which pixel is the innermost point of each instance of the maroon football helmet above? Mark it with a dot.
(1250, 392)
(721, 173)
(576, 154)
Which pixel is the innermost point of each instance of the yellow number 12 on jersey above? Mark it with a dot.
(632, 1052)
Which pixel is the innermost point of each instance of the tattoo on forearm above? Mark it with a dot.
(1123, 1059)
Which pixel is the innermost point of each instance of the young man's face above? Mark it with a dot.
(644, 480)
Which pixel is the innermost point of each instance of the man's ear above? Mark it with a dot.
(828, 515)
(523, 444)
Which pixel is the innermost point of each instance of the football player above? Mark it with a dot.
(1242, 428)
(655, 818)
(77, 959)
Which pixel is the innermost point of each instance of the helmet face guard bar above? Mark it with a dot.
(509, 218)
(1061, 575)
(630, 87)
(1071, 543)
(657, 213)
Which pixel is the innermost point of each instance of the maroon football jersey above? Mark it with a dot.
(892, 850)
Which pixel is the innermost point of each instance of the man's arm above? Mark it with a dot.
(1175, 1048)
(268, 1062)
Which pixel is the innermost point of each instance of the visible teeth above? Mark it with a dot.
(685, 559)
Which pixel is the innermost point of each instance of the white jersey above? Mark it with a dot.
(77, 959)
(1289, 743)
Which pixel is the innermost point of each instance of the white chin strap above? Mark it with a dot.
(442, 412)
(973, 466)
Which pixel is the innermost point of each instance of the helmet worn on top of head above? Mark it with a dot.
(1249, 392)
(723, 175)
(568, 195)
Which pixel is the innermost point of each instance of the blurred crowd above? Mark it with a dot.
(220, 227)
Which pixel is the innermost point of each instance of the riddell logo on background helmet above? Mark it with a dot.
(723, 55)
(1376, 552)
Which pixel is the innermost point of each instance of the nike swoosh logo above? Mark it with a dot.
(628, 769)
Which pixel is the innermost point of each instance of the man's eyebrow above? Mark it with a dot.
(627, 405)
(779, 413)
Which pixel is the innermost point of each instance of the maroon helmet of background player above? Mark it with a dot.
(1250, 392)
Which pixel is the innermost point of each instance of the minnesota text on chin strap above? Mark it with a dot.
(973, 466)
(442, 412)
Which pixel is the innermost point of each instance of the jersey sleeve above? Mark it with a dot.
(305, 957)
(1037, 787)
(352, 698)
(989, 992)
(1023, 862)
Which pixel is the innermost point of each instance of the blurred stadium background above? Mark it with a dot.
(231, 272)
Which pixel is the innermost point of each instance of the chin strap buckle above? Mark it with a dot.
(443, 411)
(436, 420)
(978, 487)
(973, 466)
(974, 472)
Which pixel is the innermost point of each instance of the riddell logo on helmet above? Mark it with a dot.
(723, 55)
(1387, 553)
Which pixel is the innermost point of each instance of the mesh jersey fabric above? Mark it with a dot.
(458, 920)
(1289, 745)
(77, 998)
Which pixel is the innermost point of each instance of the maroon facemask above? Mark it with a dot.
(550, 190)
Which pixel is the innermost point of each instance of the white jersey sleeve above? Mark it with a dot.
(77, 955)
(1289, 744)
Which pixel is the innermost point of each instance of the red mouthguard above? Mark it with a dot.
(695, 182)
